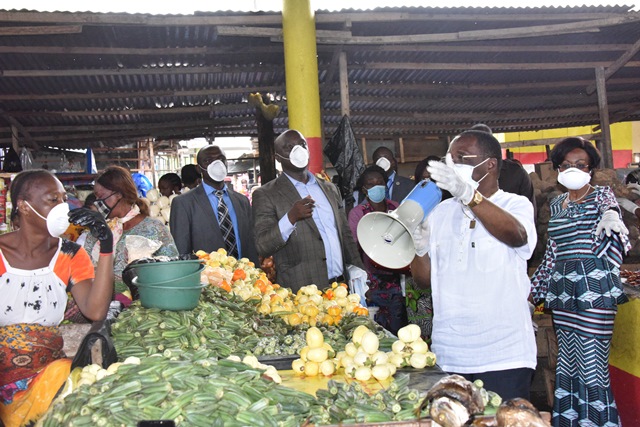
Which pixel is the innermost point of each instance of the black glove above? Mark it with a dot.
(97, 226)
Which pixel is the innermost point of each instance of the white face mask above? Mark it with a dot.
(574, 178)
(384, 163)
(57, 219)
(299, 156)
(217, 170)
(465, 172)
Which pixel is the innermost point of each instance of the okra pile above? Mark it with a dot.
(221, 324)
(345, 403)
(204, 392)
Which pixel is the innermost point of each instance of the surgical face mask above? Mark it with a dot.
(103, 208)
(217, 170)
(384, 163)
(465, 172)
(574, 178)
(299, 156)
(57, 219)
(376, 193)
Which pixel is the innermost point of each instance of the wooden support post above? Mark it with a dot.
(401, 145)
(364, 149)
(152, 161)
(603, 109)
(14, 139)
(266, 146)
(344, 85)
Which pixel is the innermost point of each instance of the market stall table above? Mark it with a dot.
(419, 379)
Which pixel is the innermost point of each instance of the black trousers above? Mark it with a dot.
(508, 383)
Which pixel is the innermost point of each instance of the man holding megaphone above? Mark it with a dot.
(472, 250)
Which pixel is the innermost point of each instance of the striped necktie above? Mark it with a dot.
(226, 226)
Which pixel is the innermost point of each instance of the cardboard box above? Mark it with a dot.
(545, 171)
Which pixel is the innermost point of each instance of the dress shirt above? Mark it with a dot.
(213, 199)
(325, 221)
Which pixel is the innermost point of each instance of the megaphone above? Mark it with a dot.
(387, 238)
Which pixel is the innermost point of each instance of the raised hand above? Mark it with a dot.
(96, 224)
(302, 209)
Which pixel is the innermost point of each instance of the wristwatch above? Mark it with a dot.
(476, 200)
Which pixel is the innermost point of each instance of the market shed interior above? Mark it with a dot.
(414, 76)
(409, 77)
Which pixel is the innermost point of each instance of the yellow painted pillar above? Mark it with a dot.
(301, 68)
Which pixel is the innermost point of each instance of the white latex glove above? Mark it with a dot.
(611, 222)
(635, 188)
(421, 238)
(447, 179)
(627, 205)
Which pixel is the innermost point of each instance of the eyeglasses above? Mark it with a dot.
(581, 166)
(104, 198)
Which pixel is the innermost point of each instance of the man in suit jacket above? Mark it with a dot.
(194, 218)
(398, 187)
(300, 220)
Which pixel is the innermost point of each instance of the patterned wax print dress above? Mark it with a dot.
(579, 280)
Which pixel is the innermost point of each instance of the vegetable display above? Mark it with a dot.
(189, 391)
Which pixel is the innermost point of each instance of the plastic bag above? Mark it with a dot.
(11, 161)
(100, 331)
(358, 283)
(140, 247)
(25, 159)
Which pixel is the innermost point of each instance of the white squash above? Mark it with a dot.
(409, 333)
(370, 342)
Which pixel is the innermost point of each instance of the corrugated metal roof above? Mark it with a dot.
(108, 79)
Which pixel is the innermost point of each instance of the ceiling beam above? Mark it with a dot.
(27, 139)
(414, 88)
(244, 108)
(545, 141)
(275, 18)
(494, 34)
(467, 66)
(40, 30)
(484, 66)
(141, 94)
(121, 72)
(619, 63)
(244, 31)
(237, 49)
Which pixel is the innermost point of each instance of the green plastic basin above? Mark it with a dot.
(191, 279)
(169, 298)
(158, 272)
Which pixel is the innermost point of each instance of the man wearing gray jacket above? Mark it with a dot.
(301, 221)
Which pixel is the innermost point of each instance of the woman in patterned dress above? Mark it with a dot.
(37, 269)
(127, 215)
(579, 281)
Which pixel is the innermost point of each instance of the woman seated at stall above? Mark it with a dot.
(37, 268)
(127, 215)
